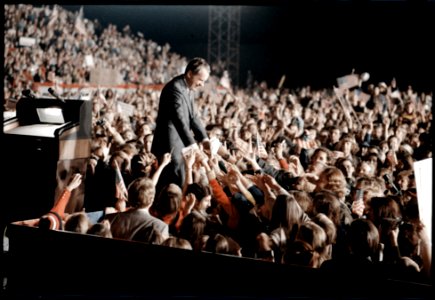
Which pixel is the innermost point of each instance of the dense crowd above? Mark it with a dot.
(298, 178)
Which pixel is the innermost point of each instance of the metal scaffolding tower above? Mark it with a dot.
(224, 40)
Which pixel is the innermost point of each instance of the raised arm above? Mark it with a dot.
(235, 178)
(165, 161)
(189, 160)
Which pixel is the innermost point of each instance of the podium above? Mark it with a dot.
(44, 144)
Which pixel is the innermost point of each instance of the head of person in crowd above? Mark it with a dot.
(286, 213)
(346, 166)
(234, 247)
(347, 145)
(245, 134)
(287, 180)
(52, 221)
(176, 242)
(409, 204)
(327, 203)
(304, 183)
(405, 160)
(193, 229)
(363, 149)
(414, 140)
(322, 155)
(328, 226)
(309, 116)
(77, 222)
(364, 168)
(405, 180)
(394, 143)
(217, 243)
(262, 125)
(100, 229)
(409, 243)
(109, 95)
(168, 202)
(251, 125)
(141, 193)
(202, 196)
(311, 133)
(385, 213)
(313, 234)
(375, 149)
(301, 253)
(304, 200)
(370, 187)
(378, 131)
(143, 130)
(334, 136)
(128, 135)
(226, 123)
(215, 131)
(363, 240)
(294, 128)
(222, 244)
(129, 148)
(332, 179)
(373, 160)
(401, 132)
(384, 148)
(148, 141)
(323, 136)
(120, 159)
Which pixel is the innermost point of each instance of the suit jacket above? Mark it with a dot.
(177, 125)
(125, 225)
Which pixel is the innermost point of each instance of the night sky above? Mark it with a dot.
(310, 44)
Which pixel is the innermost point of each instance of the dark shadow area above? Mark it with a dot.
(51, 264)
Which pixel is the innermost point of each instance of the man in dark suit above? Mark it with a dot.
(178, 126)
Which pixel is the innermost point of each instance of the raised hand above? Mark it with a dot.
(166, 159)
(189, 157)
(74, 182)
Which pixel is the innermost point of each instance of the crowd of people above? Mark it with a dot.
(297, 177)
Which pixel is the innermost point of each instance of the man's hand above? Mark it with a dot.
(187, 149)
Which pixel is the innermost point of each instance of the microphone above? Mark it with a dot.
(55, 95)
(28, 94)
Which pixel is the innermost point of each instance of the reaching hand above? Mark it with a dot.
(190, 203)
(358, 207)
(279, 150)
(166, 159)
(189, 158)
(232, 176)
(269, 180)
(74, 182)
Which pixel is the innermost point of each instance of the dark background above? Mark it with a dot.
(311, 42)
